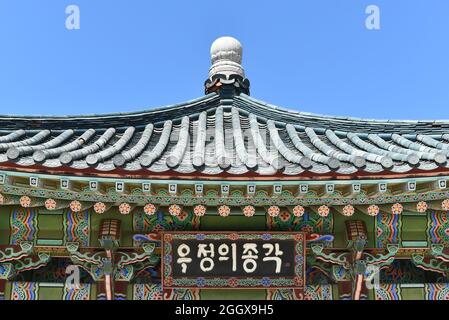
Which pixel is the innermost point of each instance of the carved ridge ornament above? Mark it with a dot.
(227, 260)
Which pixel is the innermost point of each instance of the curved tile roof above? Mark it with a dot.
(214, 135)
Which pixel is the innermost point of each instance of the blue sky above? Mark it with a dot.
(315, 56)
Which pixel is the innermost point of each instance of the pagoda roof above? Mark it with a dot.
(219, 135)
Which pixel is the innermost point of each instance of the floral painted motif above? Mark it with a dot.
(273, 211)
(183, 216)
(285, 216)
(309, 222)
(124, 208)
(75, 206)
(249, 211)
(421, 207)
(199, 210)
(233, 282)
(266, 282)
(99, 207)
(298, 211)
(174, 210)
(160, 221)
(397, 208)
(25, 201)
(233, 236)
(150, 209)
(50, 204)
(348, 210)
(323, 211)
(224, 211)
(373, 210)
(445, 205)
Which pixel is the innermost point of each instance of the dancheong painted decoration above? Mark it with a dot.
(233, 260)
(346, 208)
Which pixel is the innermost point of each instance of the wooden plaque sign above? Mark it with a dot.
(227, 260)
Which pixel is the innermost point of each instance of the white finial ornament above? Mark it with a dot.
(226, 57)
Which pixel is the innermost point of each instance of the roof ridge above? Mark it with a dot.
(165, 108)
(332, 117)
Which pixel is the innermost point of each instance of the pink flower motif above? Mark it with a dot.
(233, 236)
(224, 211)
(445, 205)
(25, 201)
(168, 281)
(124, 208)
(421, 207)
(249, 211)
(233, 282)
(149, 209)
(174, 210)
(50, 204)
(298, 281)
(273, 211)
(199, 210)
(75, 206)
(397, 208)
(298, 237)
(100, 208)
(323, 211)
(348, 210)
(373, 210)
(298, 211)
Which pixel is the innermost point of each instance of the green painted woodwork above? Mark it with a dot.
(8, 289)
(409, 293)
(415, 244)
(240, 294)
(335, 292)
(414, 227)
(49, 242)
(371, 295)
(50, 292)
(129, 291)
(4, 225)
(50, 226)
(233, 223)
(93, 292)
